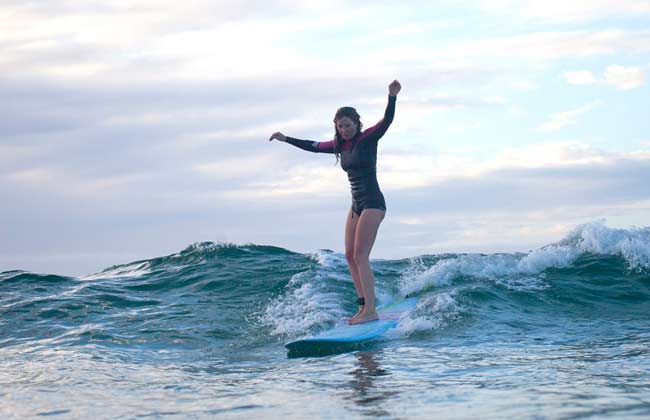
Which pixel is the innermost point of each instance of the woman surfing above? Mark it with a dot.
(357, 151)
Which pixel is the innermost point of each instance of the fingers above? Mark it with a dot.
(276, 135)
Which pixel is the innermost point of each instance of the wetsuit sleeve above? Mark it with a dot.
(379, 129)
(312, 146)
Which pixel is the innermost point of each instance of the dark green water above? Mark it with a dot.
(560, 332)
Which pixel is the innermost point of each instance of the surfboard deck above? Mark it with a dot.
(344, 336)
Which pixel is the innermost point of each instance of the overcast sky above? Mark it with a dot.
(131, 129)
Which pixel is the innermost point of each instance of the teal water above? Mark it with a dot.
(558, 332)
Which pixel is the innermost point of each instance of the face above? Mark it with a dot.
(346, 127)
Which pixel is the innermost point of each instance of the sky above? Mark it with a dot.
(132, 129)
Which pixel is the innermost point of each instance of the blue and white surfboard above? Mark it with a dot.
(344, 335)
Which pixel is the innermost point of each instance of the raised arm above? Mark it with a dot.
(379, 129)
(308, 145)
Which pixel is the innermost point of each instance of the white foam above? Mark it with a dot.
(329, 259)
(494, 267)
(417, 276)
(432, 312)
(632, 244)
(523, 271)
(304, 308)
(131, 270)
(550, 256)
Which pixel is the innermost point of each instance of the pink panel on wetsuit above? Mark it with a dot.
(326, 146)
(369, 131)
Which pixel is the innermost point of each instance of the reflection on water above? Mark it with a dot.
(368, 385)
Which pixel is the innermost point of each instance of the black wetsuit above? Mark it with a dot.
(359, 160)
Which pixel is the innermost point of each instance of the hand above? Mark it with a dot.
(394, 88)
(278, 136)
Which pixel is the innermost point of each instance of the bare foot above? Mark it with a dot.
(365, 316)
(356, 315)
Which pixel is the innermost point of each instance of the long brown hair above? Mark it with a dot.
(345, 111)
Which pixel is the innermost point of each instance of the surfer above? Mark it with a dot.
(357, 151)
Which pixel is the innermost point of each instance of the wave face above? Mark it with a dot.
(211, 307)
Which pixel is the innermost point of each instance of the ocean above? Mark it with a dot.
(559, 332)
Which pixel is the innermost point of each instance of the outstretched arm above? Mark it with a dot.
(308, 145)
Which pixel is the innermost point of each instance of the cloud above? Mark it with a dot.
(400, 170)
(581, 77)
(559, 11)
(156, 40)
(538, 46)
(562, 119)
(621, 77)
(222, 40)
(624, 78)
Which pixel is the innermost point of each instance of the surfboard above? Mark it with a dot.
(344, 336)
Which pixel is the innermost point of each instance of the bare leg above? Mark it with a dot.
(350, 231)
(364, 239)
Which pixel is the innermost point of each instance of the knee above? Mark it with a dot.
(360, 258)
(349, 255)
